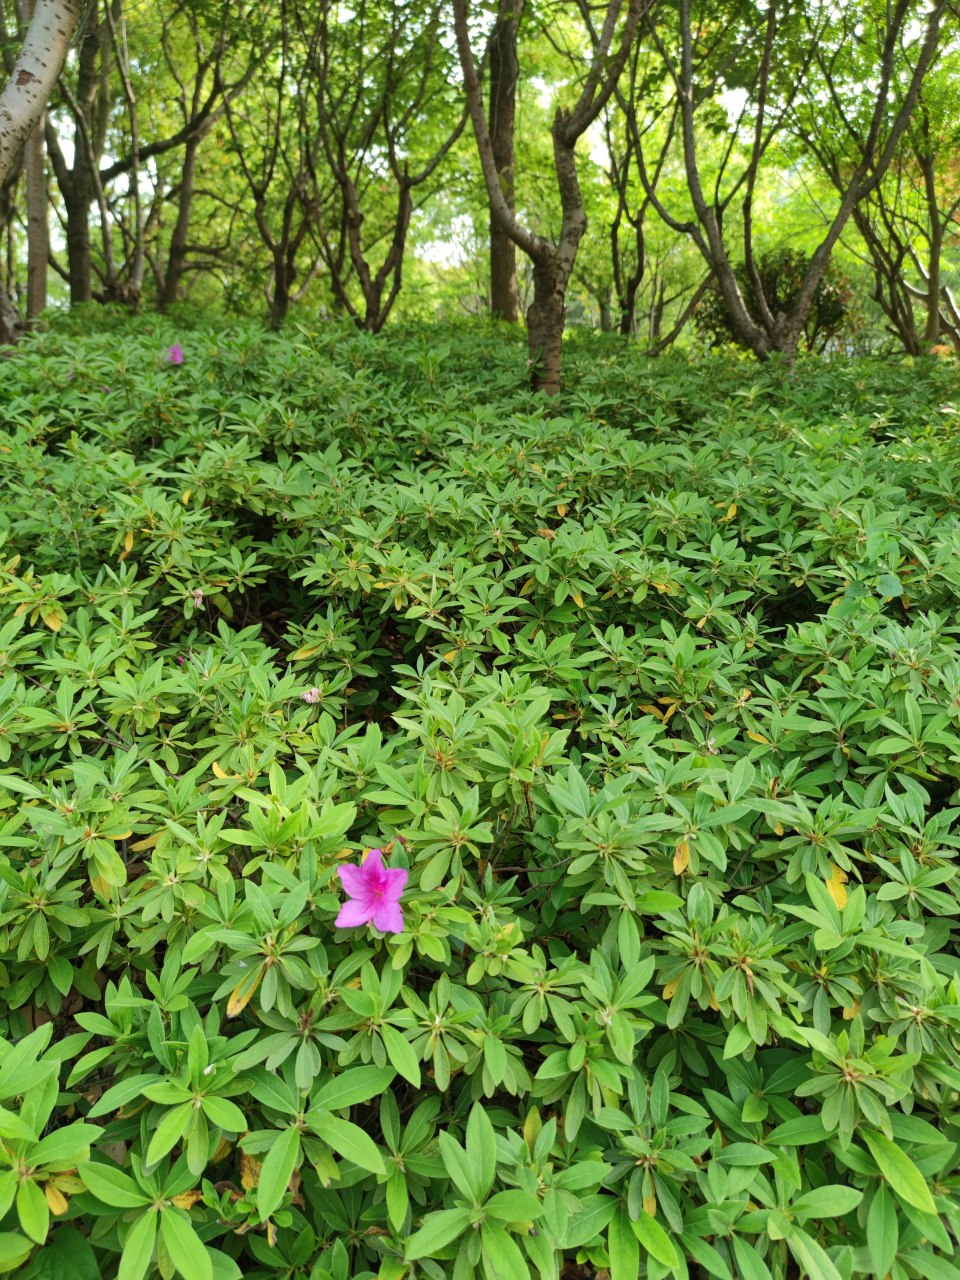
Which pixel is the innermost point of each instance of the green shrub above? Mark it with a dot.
(781, 273)
(657, 700)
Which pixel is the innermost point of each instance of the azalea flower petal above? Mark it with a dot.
(388, 917)
(395, 881)
(354, 881)
(372, 865)
(353, 914)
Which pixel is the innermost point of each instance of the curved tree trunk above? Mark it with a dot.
(34, 75)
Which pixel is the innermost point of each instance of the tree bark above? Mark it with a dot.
(928, 169)
(545, 322)
(177, 258)
(35, 73)
(38, 237)
(504, 73)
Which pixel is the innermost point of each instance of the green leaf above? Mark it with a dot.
(278, 1167)
(68, 1256)
(224, 1113)
(482, 1149)
(801, 1131)
(513, 1206)
(502, 1259)
(462, 1172)
(33, 1211)
(656, 901)
(112, 1186)
(169, 1132)
(359, 1084)
(401, 1054)
(883, 1231)
(138, 1248)
(749, 1263)
(655, 1240)
(187, 1251)
(14, 1249)
(351, 1143)
(70, 1143)
(900, 1171)
(623, 1247)
(591, 1219)
(831, 1201)
(437, 1231)
(120, 1094)
(811, 1256)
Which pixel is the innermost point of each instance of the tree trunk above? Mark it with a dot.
(280, 299)
(178, 241)
(28, 89)
(38, 238)
(504, 73)
(928, 169)
(545, 320)
(11, 326)
(79, 255)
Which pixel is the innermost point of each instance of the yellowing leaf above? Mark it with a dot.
(123, 835)
(670, 989)
(307, 651)
(669, 712)
(701, 623)
(850, 1013)
(147, 843)
(450, 655)
(56, 1200)
(681, 858)
(578, 599)
(758, 737)
(778, 828)
(562, 508)
(835, 886)
(186, 1199)
(271, 1234)
(731, 512)
(128, 541)
(651, 710)
(650, 1205)
(185, 497)
(242, 993)
(249, 1171)
(218, 772)
(53, 620)
(527, 586)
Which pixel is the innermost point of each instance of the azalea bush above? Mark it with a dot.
(444, 837)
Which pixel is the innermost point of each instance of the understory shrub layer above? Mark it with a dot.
(657, 700)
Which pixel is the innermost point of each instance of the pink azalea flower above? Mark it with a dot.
(374, 893)
(312, 695)
(175, 354)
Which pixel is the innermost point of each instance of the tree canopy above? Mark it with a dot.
(630, 165)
